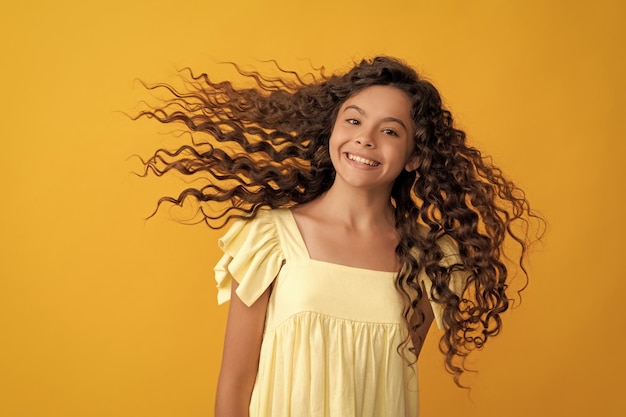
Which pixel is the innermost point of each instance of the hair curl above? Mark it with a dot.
(267, 147)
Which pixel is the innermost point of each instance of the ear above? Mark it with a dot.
(412, 164)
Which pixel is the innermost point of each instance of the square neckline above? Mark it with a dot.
(305, 250)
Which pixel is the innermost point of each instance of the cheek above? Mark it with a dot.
(337, 131)
(333, 148)
(336, 138)
(411, 150)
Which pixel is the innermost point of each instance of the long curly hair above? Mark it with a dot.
(266, 146)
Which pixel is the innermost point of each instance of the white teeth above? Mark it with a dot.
(362, 160)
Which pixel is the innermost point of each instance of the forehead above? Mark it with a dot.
(381, 100)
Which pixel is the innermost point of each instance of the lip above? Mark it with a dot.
(361, 161)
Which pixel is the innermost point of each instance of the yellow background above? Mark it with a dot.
(104, 314)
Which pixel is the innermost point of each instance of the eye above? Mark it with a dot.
(353, 122)
(390, 132)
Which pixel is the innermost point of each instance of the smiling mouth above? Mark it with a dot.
(362, 160)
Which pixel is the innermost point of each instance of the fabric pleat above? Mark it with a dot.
(332, 332)
(316, 365)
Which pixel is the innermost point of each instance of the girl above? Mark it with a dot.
(361, 216)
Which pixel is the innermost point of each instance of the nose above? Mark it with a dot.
(366, 139)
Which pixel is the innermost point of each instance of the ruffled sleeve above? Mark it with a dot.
(252, 256)
(458, 279)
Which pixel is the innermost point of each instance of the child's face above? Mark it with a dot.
(372, 139)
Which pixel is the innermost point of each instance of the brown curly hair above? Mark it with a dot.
(267, 147)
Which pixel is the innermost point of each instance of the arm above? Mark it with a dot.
(240, 361)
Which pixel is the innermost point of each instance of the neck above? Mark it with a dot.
(358, 208)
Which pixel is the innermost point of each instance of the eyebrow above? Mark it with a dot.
(386, 119)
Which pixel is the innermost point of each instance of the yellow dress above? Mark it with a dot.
(330, 346)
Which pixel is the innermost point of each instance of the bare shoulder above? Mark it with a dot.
(308, 216)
